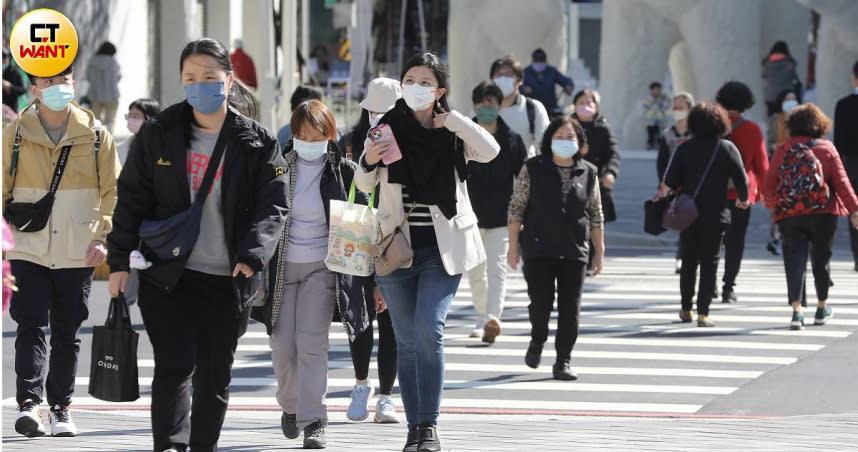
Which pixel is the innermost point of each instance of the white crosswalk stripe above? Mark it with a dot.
(632, 355)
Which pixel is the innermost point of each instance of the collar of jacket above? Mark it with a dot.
(178, 118)
(598, 120)
(79, 130)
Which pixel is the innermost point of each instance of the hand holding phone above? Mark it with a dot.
(384, 134)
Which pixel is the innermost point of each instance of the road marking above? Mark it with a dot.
(723, 318)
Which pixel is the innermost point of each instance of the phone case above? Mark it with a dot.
(384, 133)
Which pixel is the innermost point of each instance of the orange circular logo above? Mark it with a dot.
(43, 42)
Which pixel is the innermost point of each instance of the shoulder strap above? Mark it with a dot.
(58, 172)
(706, 172)
(531, 115)
(737, 124)
(211, 171)
(16, 145)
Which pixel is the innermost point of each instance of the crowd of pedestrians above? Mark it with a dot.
(247, 213)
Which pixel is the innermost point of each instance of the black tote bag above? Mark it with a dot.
(113, 372)
(654, 214)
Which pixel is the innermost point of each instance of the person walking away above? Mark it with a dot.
(557, 203)
(59, 150)
(736, 98)
(779, 74)
(301, 94)
(424, 196)
(103, 74)
(671, 138)
(702, 166)
(655, 106)
(540, 80)
(305, 292)
(490, 187)
(808, 188)
(776, 135)
(195, 304)
(525, 116)
(243, 65)
(382, 94)
(13, 83)
(602, 150)
(846, 142)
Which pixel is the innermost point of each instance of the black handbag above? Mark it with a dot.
(33, 217)
(174, 237)
(654, 210)
(113, 371)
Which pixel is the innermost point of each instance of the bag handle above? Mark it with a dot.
(117, 314)
(353, 192)
(706, 172)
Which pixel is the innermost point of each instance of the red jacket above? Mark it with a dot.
(749, 139)
(843, 199)
(243, 66)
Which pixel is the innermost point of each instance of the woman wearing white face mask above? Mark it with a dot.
(558, 202)
(424, 195)
(777, 132)
(305, 292)
(140, 111)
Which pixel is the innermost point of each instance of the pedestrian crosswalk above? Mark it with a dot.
(633, 355)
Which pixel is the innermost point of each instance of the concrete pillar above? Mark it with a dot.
(636, 43)
(218, 15)
(258, 38)
(786, 21)
(176, 24)
(480, 31)
(288, 42)
(130, 36)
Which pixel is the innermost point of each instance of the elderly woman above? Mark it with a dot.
(557, 203)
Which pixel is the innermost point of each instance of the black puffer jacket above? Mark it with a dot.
(603, 153)
(154, 185)
(351, 290)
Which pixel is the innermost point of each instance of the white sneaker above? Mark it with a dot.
(61, 421)
(385, 411)
(361, 394)
(28, 422)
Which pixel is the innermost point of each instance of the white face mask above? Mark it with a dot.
(679, 115)
(309, 150)
(506, 84)
(374, 118)
(417, 97)
(788, 105)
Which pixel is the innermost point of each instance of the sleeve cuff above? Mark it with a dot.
(367, 167)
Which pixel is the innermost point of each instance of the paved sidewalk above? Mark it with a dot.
(260, 431)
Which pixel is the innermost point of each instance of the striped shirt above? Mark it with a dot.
(419, 223)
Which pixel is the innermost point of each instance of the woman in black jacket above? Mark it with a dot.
(195, 306)
(701, 167)
(603, 151)
(304, 292)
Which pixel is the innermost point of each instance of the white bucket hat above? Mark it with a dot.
(381, 95)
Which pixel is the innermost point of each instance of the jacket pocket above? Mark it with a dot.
(34, 243)
(80, 233)
(465, 221)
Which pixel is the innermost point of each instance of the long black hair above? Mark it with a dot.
(431, 61)
(359, 133)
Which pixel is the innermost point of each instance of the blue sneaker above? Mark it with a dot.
(822, 315)
(361, 394)
(797, 322)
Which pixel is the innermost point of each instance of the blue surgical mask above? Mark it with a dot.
(310, 150)
(564, 148)
(788, 105)
(206, 97)
(58, 97)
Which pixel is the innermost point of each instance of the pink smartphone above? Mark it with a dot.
(384, 133)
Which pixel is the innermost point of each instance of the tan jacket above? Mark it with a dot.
(85, 198)
(458, 238)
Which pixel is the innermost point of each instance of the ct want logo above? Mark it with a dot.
(44, 42)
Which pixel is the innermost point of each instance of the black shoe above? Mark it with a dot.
(563, 372)
(289, 424)
(314, 436)
(715, 294)
(534, 355)
(728, 295)
(413, 441)
(774, 247)
(429, 441)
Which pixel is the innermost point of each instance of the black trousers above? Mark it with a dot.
(56, 298)
(652, 133)
(194, 331)
(852, 170)
(361, 349)
(701, 246)
(541, 275)
(808, 234)
(734, 244)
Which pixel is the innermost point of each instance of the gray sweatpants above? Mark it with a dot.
(299, 341)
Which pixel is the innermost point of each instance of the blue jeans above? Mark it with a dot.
(418, 299)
